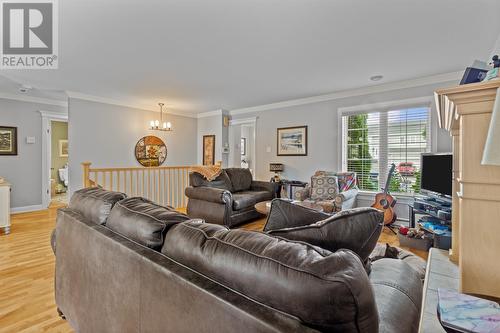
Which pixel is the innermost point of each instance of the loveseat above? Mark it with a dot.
(129, 265)
(229, 199)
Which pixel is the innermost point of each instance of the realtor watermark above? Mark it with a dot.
(29, 34)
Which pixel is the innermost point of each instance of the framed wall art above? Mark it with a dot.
(292, 141)
(63, 148)
(8, 140)
(208, 150)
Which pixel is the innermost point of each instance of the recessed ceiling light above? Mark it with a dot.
(24, 88)
(376, 77)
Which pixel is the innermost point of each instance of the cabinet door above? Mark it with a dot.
(4, 206)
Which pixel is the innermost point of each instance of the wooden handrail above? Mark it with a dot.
(164, 185)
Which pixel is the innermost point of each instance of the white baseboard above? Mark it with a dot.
(25, 209)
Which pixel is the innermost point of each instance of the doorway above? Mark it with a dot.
(59, 181)
(55, 154)
(242, 144)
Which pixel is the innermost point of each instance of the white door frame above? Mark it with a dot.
(47, 118)
(249, 121)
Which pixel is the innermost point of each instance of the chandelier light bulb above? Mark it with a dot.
(157, 123)
(152, 123)
(168, 125)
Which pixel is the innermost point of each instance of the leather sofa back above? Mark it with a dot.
(241, 178)
(95, 203)
(143, 221)
(327, 291)
(222, 181)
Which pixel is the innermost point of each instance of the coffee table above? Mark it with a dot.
(264, 207)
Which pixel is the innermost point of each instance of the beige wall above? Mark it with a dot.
(59, 132)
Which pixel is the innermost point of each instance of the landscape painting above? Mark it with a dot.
(292, 141)
(8, 140)
(150, 151)
(63, 148)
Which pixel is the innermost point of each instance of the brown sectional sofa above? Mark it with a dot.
(140, 267)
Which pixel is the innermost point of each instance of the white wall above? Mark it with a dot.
(322, 121)
(106, 135)
(496, 49)
(24, 171)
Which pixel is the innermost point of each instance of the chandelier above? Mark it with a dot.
(160, 125)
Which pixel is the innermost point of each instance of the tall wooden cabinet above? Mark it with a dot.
(465, 111)
(5, 206)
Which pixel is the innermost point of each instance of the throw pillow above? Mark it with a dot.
(356, 229)
(324, 187)
(346, 181)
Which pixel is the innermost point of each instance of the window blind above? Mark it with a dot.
(373, 141)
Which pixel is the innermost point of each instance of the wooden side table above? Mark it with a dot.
(291, 184)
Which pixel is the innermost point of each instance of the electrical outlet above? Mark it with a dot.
(30, 139)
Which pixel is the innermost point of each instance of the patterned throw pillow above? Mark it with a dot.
(347, 181)
(324, 187)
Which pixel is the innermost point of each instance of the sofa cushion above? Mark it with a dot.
(324, 187)
(222, 181)
(356, 229)
(143, 221)
(333, 288)
(95, 203)
(246, 199)
(241, 178)
(398, 292)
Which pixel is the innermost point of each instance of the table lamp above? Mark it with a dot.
(276, 168)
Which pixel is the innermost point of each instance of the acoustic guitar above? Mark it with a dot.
(386, 202)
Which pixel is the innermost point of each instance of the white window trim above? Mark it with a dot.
(425, 101)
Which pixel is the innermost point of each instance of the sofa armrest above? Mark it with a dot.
(272, 187)
(210, 194)
(346, 195)
(285, 214)
(303, 193)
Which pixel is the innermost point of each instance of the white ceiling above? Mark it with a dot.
(198, 56)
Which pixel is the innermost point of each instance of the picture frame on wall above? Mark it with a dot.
(208, 150)
(8, 140)
(292, 141)
(63, 148)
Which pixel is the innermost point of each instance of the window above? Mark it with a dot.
(373, 141)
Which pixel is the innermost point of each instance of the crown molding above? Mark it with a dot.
(105, 100)
(31, 99)
(418, 82)
(210, 114)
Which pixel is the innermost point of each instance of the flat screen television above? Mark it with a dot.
(436, 173)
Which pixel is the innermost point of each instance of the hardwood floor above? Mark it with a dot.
(27, 276)
(27, 272)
